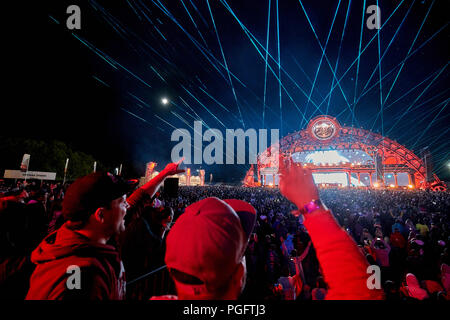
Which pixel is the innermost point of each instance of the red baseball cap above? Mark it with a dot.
(208, 242)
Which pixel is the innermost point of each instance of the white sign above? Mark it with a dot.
(17, 174)
(67, 164)
(268, 170)
(25, 162)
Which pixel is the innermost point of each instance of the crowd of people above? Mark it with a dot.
(406, 233)
(28, 212)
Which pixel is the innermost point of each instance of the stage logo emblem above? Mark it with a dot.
(323, 129)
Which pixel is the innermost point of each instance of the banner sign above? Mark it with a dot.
(17, 174)
(67, 165)
(25, 162)
(268, 170)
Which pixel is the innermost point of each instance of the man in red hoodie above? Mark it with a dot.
(75, 262)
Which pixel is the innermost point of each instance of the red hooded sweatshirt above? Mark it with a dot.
(101, 273)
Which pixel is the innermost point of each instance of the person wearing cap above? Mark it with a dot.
(205, 249)
(77, 261)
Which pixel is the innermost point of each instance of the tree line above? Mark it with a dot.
(49, 156)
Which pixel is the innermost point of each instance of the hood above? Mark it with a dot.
(65, 242)
(414, 289)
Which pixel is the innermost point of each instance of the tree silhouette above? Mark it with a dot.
(46, 156)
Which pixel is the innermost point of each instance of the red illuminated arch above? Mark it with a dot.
(325, 133)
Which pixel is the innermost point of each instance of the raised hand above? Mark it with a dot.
(296, 182)
(172, 168)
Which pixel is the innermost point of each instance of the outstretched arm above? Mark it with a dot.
(152, 186)
(344, 267)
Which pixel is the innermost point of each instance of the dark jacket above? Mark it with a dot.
(101, 273)
(142, 251)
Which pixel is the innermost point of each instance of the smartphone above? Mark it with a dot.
(171, 187)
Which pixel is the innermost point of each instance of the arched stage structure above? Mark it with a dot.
(345, 156)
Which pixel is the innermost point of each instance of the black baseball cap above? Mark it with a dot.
(91, 192)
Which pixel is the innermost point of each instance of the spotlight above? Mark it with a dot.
(164, 101)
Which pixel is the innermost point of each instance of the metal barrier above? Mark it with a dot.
(154, 283)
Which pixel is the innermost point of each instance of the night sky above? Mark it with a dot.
(100, 88)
